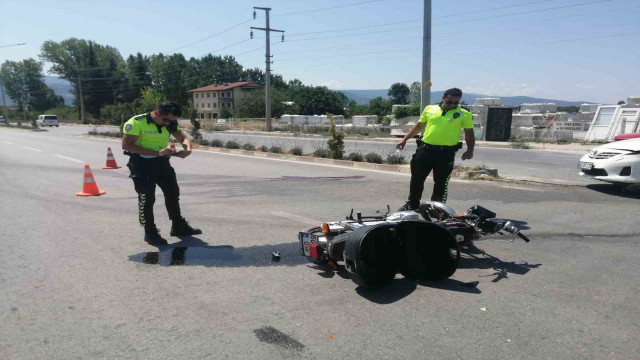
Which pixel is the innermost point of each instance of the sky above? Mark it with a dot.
(576, 50)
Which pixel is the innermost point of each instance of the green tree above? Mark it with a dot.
(399, 94)
(317, 100)
(254, 75)
(96, 69)
(138, 73)
(415, 92)
(379, 106)
(24, 84)
(621, 102)
(151, 99)
(253, 106)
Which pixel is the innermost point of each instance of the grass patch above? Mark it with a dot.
(248, 146)
(355, 157)
(217, 143)
(264, 148)
(322, 153)
(373, 158)
(232, 145)
(519, 144)
(276, 150)
(395, 159)
(296, 151)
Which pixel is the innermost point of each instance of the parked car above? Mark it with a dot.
(626, 136)
(47, 120)
(617, 162)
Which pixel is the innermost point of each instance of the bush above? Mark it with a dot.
(519, 144)
(93, 132)
(217, 143)
(275, 149)
(296, 151)
(373, 158)
(232, 145)
(264, 148)
(336, 143)
(204, 142)
(395, 159)
(248, 146)
(406, 111)
(356, 157)
(322, 153)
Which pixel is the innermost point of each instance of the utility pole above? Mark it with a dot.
(4, 104)
(425, 94)
(81, 98)
(267, 74)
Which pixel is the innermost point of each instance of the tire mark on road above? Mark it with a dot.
(8, 142)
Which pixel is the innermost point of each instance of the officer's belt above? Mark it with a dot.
(440, 147)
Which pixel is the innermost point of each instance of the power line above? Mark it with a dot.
(419, 20)
(329, 8)
(210, 36)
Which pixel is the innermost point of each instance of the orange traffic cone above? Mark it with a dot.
(89, 187)
(173, 147)
(111, 161)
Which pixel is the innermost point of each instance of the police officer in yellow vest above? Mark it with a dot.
(145, 140)
(437, 148)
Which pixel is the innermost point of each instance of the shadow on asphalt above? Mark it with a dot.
(192, 251)
(474, 258)
(396, 290)
(629, 192)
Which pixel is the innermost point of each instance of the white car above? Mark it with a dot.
(47, 120)
(616, 162)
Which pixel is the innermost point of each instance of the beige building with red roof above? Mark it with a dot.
(210, 99)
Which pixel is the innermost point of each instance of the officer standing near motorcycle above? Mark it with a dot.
(437, 148)
(145, 139)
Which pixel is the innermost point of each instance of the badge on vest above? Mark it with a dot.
(127, 127)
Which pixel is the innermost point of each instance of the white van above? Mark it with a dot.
(47, 120)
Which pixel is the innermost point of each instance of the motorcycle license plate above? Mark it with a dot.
(585, 165)
(305, 240)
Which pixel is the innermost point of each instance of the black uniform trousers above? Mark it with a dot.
(423, 162)
(146, 173)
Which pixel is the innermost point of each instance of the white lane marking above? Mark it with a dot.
(302, 219)
(32, 149)
(522, 188)
(8, 143)
(70, 159)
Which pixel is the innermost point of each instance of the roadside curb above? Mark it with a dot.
(397, 169)
(309, 159)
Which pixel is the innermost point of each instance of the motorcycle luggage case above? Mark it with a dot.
(371, 255)
(427, 251)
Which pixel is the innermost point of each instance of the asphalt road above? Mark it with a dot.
(535, 165)
(78, 282)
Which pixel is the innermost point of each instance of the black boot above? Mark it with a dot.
(181, 227)
(408, 206)
(152, 236)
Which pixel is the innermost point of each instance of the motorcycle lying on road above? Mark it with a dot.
(422, 244)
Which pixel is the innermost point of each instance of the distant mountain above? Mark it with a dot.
(59, 86)
(364, 96)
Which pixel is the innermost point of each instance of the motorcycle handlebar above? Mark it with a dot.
(523, 237)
